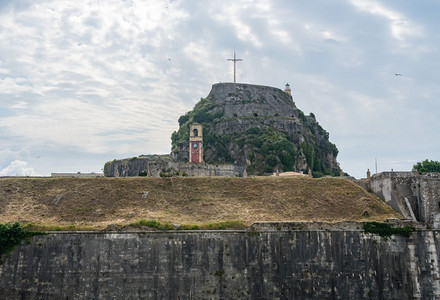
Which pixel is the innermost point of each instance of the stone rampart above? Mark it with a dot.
(144, 166)
(256, 264)
(415, 196)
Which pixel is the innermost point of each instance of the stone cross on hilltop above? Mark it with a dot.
(235, 61)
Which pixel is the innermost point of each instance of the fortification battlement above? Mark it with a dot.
(415, 196)
(405, 174)
(233, 86)
(394, 174)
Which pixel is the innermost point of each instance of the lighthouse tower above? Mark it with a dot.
(287, 90)
(195, 143)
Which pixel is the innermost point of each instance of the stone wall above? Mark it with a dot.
(138, 165)
(430, 199)
(415, 196)
(259, 264)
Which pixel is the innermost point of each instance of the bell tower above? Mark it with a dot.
(195, 143)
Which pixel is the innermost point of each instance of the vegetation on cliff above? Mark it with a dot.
(263, 140)
(203, 114)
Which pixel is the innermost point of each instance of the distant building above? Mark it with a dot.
(77, 174)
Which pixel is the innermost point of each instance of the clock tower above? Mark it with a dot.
(195, 143)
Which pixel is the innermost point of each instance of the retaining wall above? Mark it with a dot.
(257, 264)
(415, 196)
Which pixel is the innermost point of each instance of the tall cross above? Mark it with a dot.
(235, 61)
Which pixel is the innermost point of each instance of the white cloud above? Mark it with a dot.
(6, 156)
(400, 27)
(233, 14)
(86, 62)
(16, 163)
(17, 168)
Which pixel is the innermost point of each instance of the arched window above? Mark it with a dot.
(195, 132)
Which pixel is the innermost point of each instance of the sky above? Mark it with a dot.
(86, 82)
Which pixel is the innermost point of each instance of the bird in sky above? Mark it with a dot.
(397, 74)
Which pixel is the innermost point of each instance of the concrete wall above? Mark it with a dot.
(270, 264)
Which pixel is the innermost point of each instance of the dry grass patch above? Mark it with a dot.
(99, 202)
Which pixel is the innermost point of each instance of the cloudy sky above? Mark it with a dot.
(84, 82)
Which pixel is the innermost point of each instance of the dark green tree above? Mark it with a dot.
(427, 166)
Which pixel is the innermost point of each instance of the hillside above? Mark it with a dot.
(259, 127)
(99, 202)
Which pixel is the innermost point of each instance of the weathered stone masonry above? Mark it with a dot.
(415, 196)
(286, 264)
(135, 166)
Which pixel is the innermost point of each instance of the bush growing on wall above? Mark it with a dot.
(386, 230)
(11, 235)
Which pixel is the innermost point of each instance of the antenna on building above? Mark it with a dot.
(375, 163)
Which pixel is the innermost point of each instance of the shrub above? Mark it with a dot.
(11, 235)
(386, 230)
(183, 119)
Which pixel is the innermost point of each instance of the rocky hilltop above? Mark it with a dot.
(259, 128)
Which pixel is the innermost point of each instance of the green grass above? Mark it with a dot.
(224, 225)
(52, 227)
(153, 224)
(208, 226)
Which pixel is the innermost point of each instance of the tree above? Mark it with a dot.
(427, 166)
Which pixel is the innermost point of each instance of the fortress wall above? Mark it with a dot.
(135, 166)
(430, 195)
(204, 169)
(422, 192)
(267, 264)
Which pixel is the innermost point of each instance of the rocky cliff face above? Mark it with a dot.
(258, 127)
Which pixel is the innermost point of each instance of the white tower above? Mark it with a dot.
(287, 90)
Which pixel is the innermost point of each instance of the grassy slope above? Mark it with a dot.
(103, 201)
